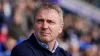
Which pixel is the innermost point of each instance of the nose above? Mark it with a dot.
(45, 25)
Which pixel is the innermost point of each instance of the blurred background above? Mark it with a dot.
(81, 33)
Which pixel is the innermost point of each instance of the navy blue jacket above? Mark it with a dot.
(31, 47)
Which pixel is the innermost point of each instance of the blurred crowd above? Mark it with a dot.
(80, 36)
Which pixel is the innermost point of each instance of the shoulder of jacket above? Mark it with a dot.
(66, 53)
(21, 49)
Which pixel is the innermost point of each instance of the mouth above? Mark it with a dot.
(44, 33)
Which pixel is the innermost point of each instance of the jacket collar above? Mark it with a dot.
(40, 44)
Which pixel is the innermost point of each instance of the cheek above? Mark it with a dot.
(55, 33)
(55, 30)
(58, 28)
(37, 27)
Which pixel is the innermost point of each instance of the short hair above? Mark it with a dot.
(49, 6)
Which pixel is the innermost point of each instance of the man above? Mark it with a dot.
(48, 24)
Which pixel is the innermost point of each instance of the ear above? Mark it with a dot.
(61, 28)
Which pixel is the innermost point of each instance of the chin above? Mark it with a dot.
(45, 39)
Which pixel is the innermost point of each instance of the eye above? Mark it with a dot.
(51, 22)
(39, 20)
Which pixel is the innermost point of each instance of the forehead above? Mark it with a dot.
(47, 12)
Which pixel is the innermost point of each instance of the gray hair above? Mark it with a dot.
(50, 6)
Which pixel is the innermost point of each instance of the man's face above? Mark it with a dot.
(47, 25)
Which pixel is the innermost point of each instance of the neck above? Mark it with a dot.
(51, 45)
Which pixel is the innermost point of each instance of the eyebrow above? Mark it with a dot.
(48, 20)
